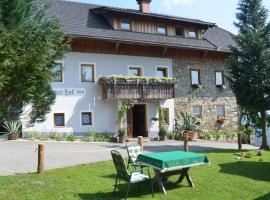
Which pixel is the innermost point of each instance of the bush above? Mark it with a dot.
(71, 137)
(171, 135)
(94, 137)
(56, 136)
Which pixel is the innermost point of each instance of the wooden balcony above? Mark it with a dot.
(137, 88)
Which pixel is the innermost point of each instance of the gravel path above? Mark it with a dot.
(21, 156)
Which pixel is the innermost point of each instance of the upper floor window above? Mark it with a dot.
(197, 111)
(192, 34)
(220, 112)
(125, 25)
(219, 78)
(59, 119)
(135, 71)
(58, 73)
(195, 77)
(179, 31)
(162, 72)
(87, 73)
(161, 29)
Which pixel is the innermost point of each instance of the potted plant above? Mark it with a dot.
(13, 129)
(221, 120)
(122, 134)
(187, 126)
(162, 124)
(162, 134)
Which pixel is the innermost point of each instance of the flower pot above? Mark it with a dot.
(13, 136)
(192, 136)
(162, 137)
(121, 139)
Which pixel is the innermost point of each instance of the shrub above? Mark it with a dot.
(94, 137)
(171, 135)
(71, 137)
(56, 136)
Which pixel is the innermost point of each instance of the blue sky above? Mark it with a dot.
(221, 12)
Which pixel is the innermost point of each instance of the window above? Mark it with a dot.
(219, 78)
(195, 77)
(135, 71)
(87, 118)
(161, 29)
(166, 116)
(197, 111)
(162, 72)
(87, 73)
(192, 34)
(59, 119)
(125, 25)
(220, 112)
(58, 73)
(179, 31)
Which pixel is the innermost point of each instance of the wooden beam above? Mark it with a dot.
(117, 47)
(165, 51)
(205, 54)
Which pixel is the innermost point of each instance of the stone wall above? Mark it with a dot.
(208, 96)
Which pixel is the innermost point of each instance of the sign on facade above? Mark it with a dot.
(69, 91)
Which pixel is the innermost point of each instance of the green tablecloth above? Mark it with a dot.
(169, 161)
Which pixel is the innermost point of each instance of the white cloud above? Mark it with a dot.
(168, 4)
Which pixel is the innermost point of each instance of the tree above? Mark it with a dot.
(249, 64)
(30, 45)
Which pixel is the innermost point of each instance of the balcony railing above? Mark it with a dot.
(130, 87)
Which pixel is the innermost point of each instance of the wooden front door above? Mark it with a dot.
(137, 121)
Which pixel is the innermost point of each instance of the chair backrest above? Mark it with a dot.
(134, 152)
(120, 165)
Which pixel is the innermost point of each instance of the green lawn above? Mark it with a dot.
(225, 179)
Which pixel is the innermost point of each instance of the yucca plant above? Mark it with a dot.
(184, 124)
(12, 129)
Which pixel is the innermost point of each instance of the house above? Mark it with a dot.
(112, 47)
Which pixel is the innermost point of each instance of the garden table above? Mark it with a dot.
(168, 164)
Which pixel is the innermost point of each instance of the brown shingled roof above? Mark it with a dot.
(79, 20)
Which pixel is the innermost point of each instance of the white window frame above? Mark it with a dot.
(200, 108)
(224, 111)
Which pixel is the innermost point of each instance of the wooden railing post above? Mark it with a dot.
(140, 142)
(41, 159)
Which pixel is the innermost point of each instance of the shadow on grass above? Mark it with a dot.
(265, 197)
(258, 171)
(135, 191)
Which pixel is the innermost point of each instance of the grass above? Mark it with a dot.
(226, 179)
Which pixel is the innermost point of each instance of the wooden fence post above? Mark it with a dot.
(41, 159)
(140, 141)
(186, 148)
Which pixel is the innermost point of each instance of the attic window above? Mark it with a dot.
(125, 25)
(192, 34)
(179, 31)
(161, 29)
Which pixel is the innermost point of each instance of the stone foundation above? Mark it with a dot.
(208, 96)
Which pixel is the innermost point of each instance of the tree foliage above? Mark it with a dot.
(249, 65)
(30, 44)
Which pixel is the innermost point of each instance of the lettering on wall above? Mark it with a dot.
(69, 91)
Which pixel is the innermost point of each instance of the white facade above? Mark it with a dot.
(78, 97)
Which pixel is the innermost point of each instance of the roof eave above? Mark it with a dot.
(147, 43)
